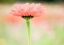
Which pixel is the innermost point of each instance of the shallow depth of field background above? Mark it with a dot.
(45, 30)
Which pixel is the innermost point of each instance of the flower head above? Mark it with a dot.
(27, 10)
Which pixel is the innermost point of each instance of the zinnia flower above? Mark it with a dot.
(27, 10)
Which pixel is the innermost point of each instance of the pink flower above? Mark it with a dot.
(27, 10)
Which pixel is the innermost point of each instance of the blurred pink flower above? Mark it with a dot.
(27, 10)
(12, 19)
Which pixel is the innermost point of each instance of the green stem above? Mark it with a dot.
(28, 26)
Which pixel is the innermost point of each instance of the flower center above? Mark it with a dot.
(27, 17)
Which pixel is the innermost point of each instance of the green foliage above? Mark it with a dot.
(7, 1)
(11, 1)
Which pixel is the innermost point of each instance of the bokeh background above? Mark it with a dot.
(45, 30)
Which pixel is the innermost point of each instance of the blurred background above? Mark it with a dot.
(45, 30)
